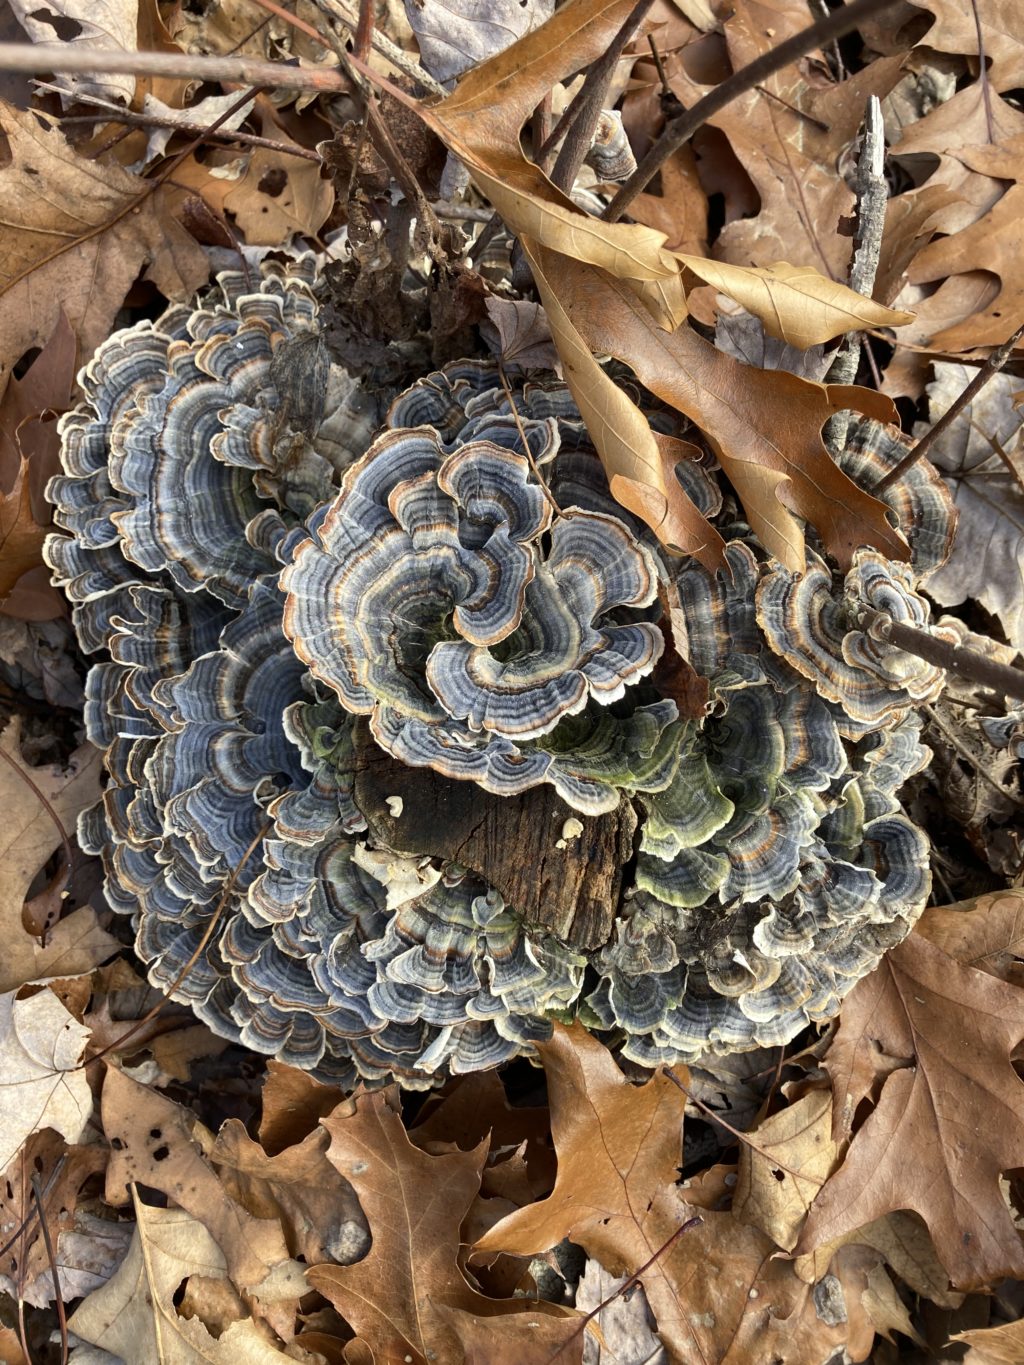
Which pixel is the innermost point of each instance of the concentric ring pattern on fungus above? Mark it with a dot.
(255, 581)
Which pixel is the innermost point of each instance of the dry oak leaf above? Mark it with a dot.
(405, 1297)
(640, 463)
(956, 31)
(299, 1188)
(797, 304)
(100, 24)
(25, 1270)
(949, 1116)
(788, 134)
(481, 120)
(134, 1315)
(77, 943)
(21, 537)
(764, 426)
(41, 1045)
(76, 234)
(986, 932)
(717, 1291)
(994, 1345)
(779, 1178)
(158, 1143)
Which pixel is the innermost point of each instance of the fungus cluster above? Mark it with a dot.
(265, 593)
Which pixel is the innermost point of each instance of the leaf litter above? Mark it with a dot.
(203, 1207)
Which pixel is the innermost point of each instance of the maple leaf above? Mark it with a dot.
(76, 943)
(406, 1297)
(949, 1117)
(764, 426)
(41, 1045)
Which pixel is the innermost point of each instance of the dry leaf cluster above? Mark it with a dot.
(857, 1193)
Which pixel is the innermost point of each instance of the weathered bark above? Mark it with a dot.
(512, 842)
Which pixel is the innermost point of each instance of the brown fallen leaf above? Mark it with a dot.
(25, 1271)
(81, 249)
(77, 943)
(986, 932)
(405, 1297)
(134, 1315)
(956, 30)
(717, 1291)
(639, 465)
(293, 1105)
(299, 1188)
(21, 537)
(949, 1116)
(797, 304)
(481, 121)
(158, 1143)
(789, 133)
(994, 1345)
(765, 426)
(798, 1138)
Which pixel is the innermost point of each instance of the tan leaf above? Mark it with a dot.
(994, 1345)
(76, 235)
(986, 932)
(764, 426)
(639, 467)
(796, 303)
(797, 1138)
(481, 120)
(405, 1297)
(41, 1045)
(717, 1291)
(902, 1240)
(299, 1188)
(160, 1144)
(941, 1035)
(956, 31)
(21, 539)
(76, 943)
(134, 1314)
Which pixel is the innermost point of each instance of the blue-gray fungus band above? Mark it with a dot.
(256, 574)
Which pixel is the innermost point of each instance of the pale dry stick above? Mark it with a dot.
(680, 130)
(991, 367)
(526, 444)
(871, 200)
(39, 58)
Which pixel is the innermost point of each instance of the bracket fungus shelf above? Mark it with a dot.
(393, 781)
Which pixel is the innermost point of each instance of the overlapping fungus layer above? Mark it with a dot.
(256, 582)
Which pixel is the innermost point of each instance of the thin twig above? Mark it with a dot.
(196, 129)
(680, 130)
(401, 61)
(986, 93)
(592, 99)
(35, 59)
(973, 759)
(871, 200)
(954, 658)
(991, 367)
(62, 1316)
